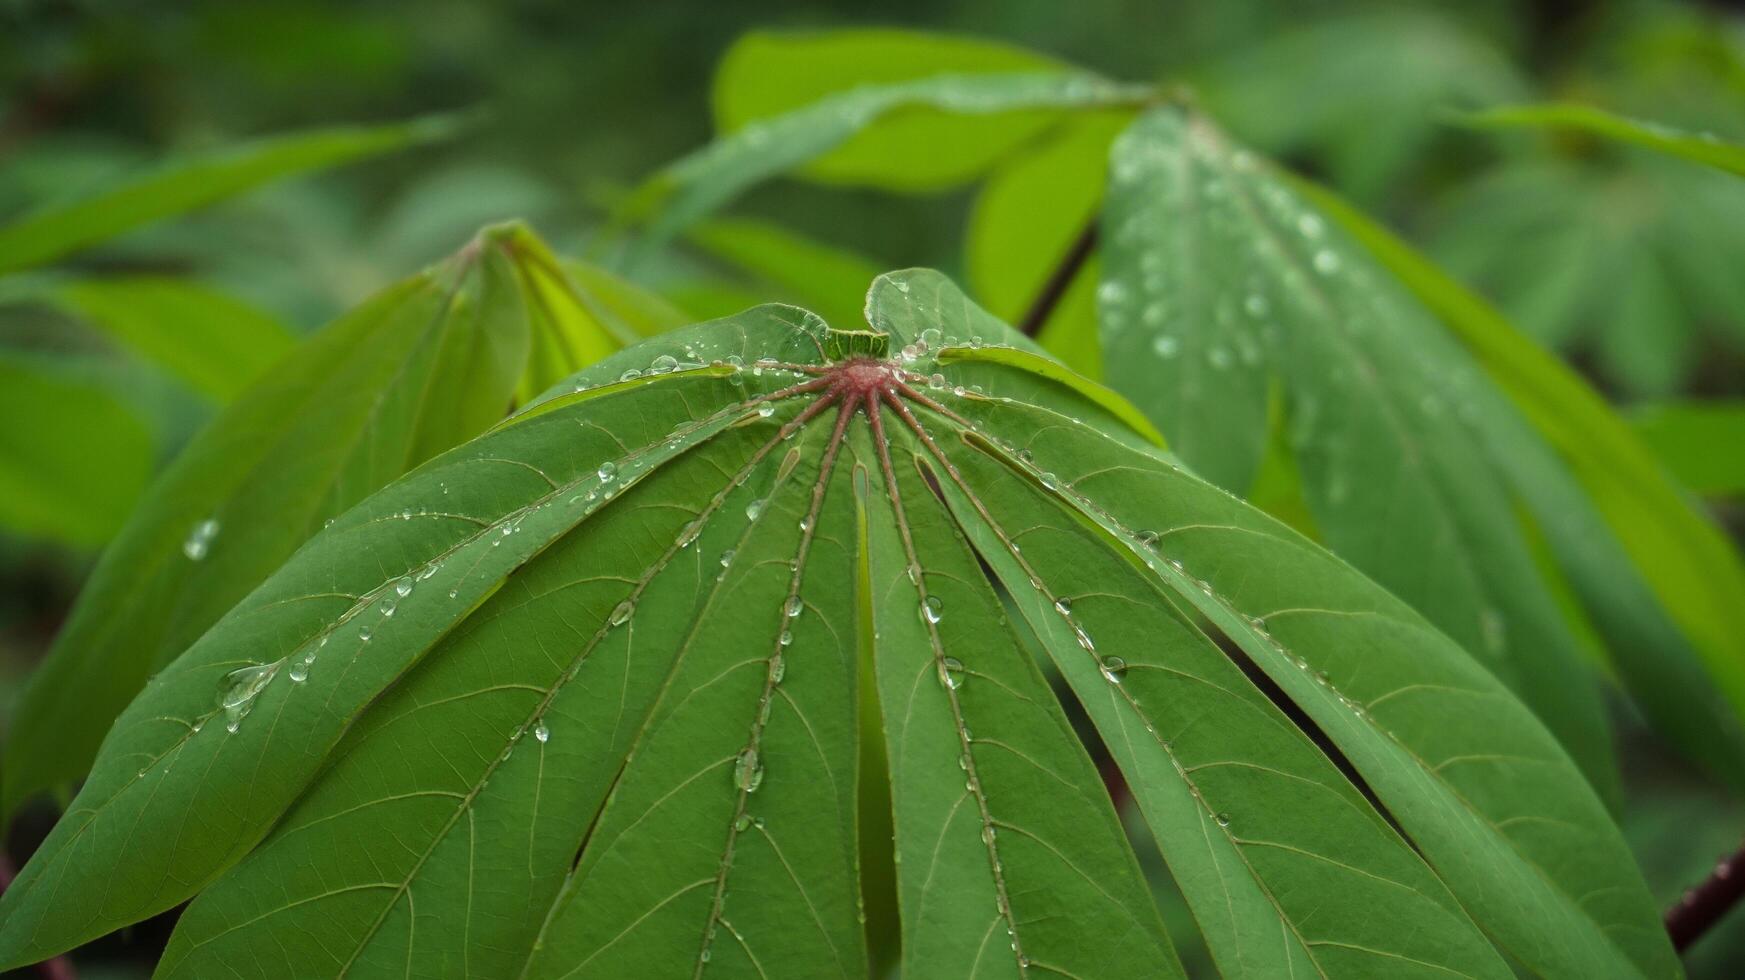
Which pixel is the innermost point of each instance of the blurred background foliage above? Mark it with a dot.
(1627, 263)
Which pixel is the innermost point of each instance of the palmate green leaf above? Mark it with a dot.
(73, 458)
(695, 186)
(1629, 262)
(1655, 573)
(214, 342)
(593, 710)
(54, 232)
(1219, 285)
(1695, 442)
(767, 74)
(1704, 148)
(422, 366)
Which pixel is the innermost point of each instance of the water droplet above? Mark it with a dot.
(239, 688)
(748, 771)
(299, 672)
(630, 375)
(778, 668)
(1147, 539)
(199, 540)
(663, 364)
(742, 823)
(1309, 225)
(541, 733)
(607, 471)
(932, 610)
(1255, 304)
(1326, 263)
(951, 672)
(1223, 819)
(726, 557)
(388, 606)
(766, 410)
(1114, 669)
(753, 509)
(1083, 638)
(689, 532)
(1063, 605)
(787, 638)
(794, 606)
(1165, 345)
(366, 631)
(621, 612)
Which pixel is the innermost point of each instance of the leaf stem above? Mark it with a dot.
(1077, 254)
(1707, 903)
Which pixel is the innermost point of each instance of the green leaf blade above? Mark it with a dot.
(56, 232)
(1703, 148)
(1376, 400)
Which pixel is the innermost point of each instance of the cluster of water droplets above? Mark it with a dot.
(198, 544)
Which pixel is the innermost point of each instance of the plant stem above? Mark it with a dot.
(55, 967)
(1708, 902)
(1058, 280)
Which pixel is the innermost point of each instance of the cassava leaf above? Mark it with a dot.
(766, 74)
(695, 186)
(593, 709)
(1220, 284)
(1692, 440)
(73, 459)
(422, 366)
(212, 341)
(180, 187)
(1027, 217)
(1657, 576)
(1704, 148)
(826, 279)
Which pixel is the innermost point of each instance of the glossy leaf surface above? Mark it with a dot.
(594, 707)
(424, 365)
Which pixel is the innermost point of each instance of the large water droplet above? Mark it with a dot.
(239, 688)
(932, 610)
(951, 672)
(778, 668)
(1063, 605)
(753, 509)
(1114, 669)
(794, 607)
(607, 471)
(663, 364)
(541, 733)
(621, 612)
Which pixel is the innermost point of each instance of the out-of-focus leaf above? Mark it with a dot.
(693, 187)
(1628, 261)
(828, 280)
(73, 459)
(599, 720)
(1704, 148)
(420, 367)
(181, 187)
(1701, 443)
(1359, 92)
(214, 342)
(767, 74)
(1663, 585)
(1027, 216)
(1219, 283)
